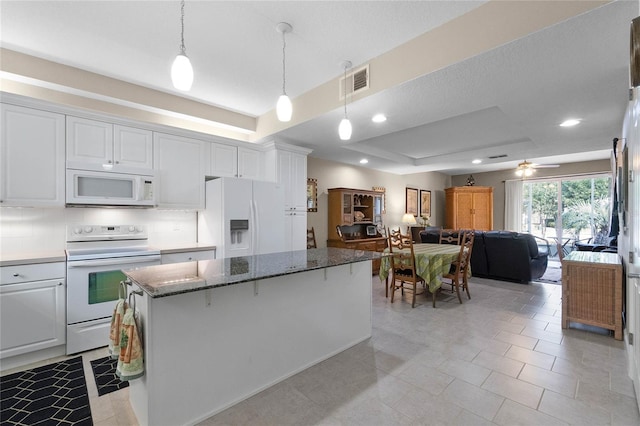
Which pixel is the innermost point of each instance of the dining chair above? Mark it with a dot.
(459, 273)
(450, 236)
(403, 265)
(311, 238)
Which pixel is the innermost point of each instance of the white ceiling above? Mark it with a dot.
(508, 100)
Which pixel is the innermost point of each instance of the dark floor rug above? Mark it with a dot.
(104, 371)
(55, 394)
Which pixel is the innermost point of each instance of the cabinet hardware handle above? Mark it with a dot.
(15, 274)
(59, 284)
(117, 162)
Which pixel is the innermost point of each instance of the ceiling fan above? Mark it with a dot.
(526, 168)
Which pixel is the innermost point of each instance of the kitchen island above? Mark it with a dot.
(216, 332)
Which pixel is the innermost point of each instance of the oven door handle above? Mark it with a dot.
(112, 262)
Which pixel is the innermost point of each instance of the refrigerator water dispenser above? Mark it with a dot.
(239, 230)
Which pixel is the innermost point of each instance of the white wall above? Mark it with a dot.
(38, 229)
(337, 175)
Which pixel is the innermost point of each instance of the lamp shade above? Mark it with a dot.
(344, 129)
(284, 109)
(182, 73)
(409, 219)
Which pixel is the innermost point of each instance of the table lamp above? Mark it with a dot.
(409, 219)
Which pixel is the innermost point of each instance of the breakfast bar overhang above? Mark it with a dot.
(216, 332)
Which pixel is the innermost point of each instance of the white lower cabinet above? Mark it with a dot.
(188, 256)
(32, 308)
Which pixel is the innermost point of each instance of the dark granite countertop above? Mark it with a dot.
(177, 278)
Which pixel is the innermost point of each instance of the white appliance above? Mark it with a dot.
(96, 257)
(242, 217)
(109, 189)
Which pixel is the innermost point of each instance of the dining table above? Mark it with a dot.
(432, 261)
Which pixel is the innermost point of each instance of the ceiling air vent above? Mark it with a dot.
(356, 81)
(493, 157)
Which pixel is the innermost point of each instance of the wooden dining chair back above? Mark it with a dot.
(450, 236)
(311, 238)
(458, 275)
(403, 265)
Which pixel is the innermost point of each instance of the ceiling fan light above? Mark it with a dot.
(528, 171)
(519, 172)
(284, 108)
(182, 73)
(345, 129)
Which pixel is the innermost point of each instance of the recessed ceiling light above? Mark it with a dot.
(477, 161)
(569, 123)
(364, 161)
(379, 118)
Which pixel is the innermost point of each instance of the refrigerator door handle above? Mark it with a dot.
(255, 231)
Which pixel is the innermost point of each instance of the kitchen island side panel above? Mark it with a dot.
(209, 349)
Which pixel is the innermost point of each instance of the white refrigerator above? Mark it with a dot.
(242, 217)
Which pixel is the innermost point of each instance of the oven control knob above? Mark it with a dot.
(132, 229)
(138, 229)
(88, 229)
(77, 230)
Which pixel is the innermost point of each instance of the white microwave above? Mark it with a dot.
(109, 189)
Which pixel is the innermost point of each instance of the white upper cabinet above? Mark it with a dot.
(234, 161)
(292, 173)
(224, 160)
(32, 169)
(180, 171)
(132, 147)
(95, 145)
(249, 163)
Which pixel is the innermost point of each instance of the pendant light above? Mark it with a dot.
(284, 109)
(345, 129)
(181, 70)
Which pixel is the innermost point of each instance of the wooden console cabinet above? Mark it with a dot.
(592, 290)
(469, 207)
(358, 213)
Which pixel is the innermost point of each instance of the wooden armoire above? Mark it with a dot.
(469, 207)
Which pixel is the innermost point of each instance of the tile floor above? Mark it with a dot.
(500, 358)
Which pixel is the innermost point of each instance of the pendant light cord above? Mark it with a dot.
(284, 45)
(182, 48)
(345, 91)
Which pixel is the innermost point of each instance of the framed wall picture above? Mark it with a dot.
(425, 203)
(412, 201)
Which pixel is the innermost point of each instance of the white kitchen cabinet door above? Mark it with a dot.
(224, 160)
(89, 142)
(32, 166)
(299, 182)
(249, 163)
(132, 147)
(32, 316)
(296, 226)
(180, 165)
(292, 174)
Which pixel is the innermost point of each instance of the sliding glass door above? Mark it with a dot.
(566, 210)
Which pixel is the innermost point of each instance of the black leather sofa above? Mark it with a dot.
(504, 255)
